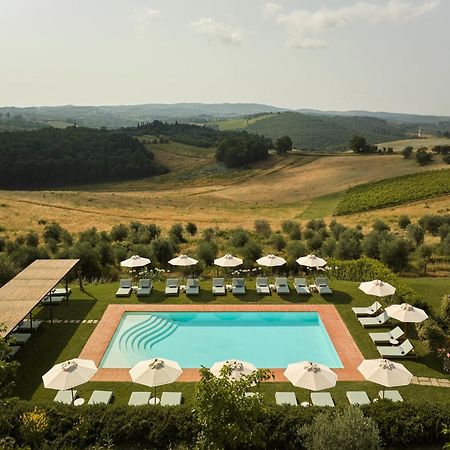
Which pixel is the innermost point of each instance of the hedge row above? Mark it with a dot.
(154, 428)
(365, 269)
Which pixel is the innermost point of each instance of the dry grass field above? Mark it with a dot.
(198, 189)
(429, 143)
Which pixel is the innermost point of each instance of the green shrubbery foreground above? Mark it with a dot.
(60, 426)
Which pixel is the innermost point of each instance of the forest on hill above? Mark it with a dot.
(326, 133)
(52, 157)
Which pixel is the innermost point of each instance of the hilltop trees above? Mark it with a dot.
(238, 150)
(283, 145)
(407, 152)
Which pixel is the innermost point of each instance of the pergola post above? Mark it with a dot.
(51, 307)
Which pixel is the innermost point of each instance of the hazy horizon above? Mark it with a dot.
(332, 55)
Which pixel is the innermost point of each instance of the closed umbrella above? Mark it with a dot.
(311, 261)
(238, 368)
(155, 372)
(385, 373)
(228, 261)
(69, 374)
(377, 287)
(271, 261)
(406, 313)
(310, 375)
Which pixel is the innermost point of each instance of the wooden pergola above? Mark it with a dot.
(23, 293)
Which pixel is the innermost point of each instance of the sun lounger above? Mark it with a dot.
(171, 399)
(321, 399)
(61, 291)
(124, 288)
(262, 286)
(391, 395)
(55, 300)
(192, 286)
(322, 286)
(374, 321)
(20, 338)
(100, 397)
(367, 311)
(400, 351)
(286, 398)
(358, 398)
(172, 286)
(139, 398)
(301, 287)
(393, 335)
(281, 285)
(238, 286)
(66, 397)
(218, 286)
(26, 326)
(144, 288)
(13, 349)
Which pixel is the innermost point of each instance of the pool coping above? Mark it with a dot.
(343, 342)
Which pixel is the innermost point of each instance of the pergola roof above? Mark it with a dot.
(21, 294)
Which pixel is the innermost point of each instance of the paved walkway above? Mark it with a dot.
(426, 381)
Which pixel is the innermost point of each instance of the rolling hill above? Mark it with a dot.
(326, 133)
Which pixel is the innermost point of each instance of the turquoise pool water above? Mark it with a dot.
(195, 339)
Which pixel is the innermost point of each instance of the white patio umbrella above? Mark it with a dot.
(377, 287)
(228, 261)
(135, 261)
(183, 261)
(69, 374)
(238, 368)
(311, 261)
(310, 375)
(385, 372)
(271, 261)
(155, 372)
(406, 313)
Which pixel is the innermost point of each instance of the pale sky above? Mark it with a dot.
(390, 55)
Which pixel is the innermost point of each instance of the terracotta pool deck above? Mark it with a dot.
(343, 342)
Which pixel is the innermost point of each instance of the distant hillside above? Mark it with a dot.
(326, 133)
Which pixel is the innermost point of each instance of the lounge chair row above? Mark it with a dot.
(325, 399)
(220, 288)
(105, 397)
(397, 349)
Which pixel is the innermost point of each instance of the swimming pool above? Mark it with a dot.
(195, 339)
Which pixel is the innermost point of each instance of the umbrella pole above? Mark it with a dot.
(71, 390)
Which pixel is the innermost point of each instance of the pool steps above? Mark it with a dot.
(146, 334)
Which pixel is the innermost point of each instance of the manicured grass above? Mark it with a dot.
(431, 289)
(322, 206)
(58, 342)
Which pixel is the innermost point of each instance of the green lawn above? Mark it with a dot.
(56, 343)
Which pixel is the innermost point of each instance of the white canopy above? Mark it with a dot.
(271, 261)
(69, 374)
(406, 313)
(385, 372)
(310, 375)
(155, 372)
(135, 261)
(377, 287)
(183, 260)
(311, 261)
(239, 368)
(228, 261)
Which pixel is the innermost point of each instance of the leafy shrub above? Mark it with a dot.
(343, 429)
(262, 227)
(277, 241)
(431, 332)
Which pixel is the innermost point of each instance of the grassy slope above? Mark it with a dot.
(325, 132)
(62, 341)
(238, 123)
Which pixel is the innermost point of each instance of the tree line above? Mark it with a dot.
(52, 157)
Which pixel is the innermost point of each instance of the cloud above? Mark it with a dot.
(145, 17)
(271, 9)
(304, 26)
(217, 31)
